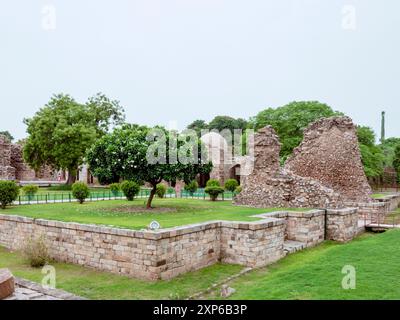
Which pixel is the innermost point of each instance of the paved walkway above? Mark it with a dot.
(28, 290)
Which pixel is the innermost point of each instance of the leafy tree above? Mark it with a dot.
(396, 161)
(198, 126)
(290, 121)
(61, 132)
(388, 148)
(225, 122)
(8, 135)
(371, 155)
(124, 153)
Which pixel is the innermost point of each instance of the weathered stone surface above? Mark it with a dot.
(7, 285)
(13, 166)
(330, 154)
(271, 186)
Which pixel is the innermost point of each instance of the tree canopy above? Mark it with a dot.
(219, 123)
(139, 153)
(289, 121)
(61, 132)
(8, 135)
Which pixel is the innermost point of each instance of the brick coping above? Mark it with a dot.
(268, 220)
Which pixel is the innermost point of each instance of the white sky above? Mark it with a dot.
(180, 60)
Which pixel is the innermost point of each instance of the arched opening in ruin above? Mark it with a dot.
(234, 173)
(202, 179)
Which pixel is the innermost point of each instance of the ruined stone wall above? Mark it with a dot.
(270, 186)
(330, 154)
(13, 166)
(7, 172)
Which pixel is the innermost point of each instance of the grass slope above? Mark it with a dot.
(101, 285)
(316, 273)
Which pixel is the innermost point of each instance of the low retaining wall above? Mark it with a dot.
(377, 210)
(167, 253)
(147, 254)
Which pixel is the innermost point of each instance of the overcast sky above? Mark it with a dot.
(180, 60)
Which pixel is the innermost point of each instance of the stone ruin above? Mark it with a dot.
(330, 154)
(325, 171)
(13, 166)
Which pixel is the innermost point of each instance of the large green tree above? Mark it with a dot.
(289, 121)
(396, 161)
(62, 131)
(141, 154)
(372, 155)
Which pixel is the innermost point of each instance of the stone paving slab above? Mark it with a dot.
(28, 290)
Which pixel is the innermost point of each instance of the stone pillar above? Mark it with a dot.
(341, 224)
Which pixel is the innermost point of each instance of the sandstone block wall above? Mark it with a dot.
(151, 255)
(342, 224)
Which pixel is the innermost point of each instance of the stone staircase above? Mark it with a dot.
(290, 246)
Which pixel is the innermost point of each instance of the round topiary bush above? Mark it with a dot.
(115, 188)
(161, 190)
(130, 189)
(238, 190)
(80, 191)
(192, 187)
(30, 190)
(213, 183)
(9, 192)
(231, 185)
(214, 192)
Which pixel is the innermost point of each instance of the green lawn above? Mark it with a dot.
(316, 273)
(101, 285)
(310, 274)
(182, 211)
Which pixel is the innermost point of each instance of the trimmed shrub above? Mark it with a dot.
(238, 189)
(30, 190)
(161, 190)
(36, 252)
(9, 192)
(214, 192)
(130, 189)
(213, 183)
(231, 185)
(115, 188)
(80, 191)
(192, 187)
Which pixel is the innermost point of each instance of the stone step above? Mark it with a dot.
(290, 246)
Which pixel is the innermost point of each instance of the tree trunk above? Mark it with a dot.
(152, 193)
(71, 176)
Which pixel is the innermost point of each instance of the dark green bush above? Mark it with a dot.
(30, 190)
(130, 189)
(161, 190)
(115, 188)
(214, 192)
(192, 187)
(231, 185)
(9, 192)
(80, 191)
(213, 183)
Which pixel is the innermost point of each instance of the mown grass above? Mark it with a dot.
(317, 273)
(93, 284)
(184, 211)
